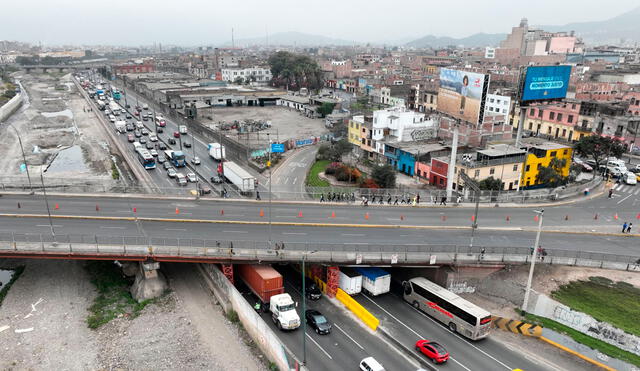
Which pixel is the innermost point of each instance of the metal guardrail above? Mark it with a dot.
(191, 249)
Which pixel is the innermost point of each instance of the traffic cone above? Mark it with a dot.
(300, 214)
(366, 216)
(177, 211)
(508, 218)
(222, 212)
(638, 216)
(595, 217)
(261, 212)
(135, 210)
(473, 218)
(536, 218)
(401, 217)
(57, 207)
(19, 205)
(566, 217)
(97, 207)
(444, 218)
(615, 216)
(333, 214)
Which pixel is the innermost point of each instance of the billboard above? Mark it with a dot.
(462, 94)
(545, 82)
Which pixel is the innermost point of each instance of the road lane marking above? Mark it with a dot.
(355, 243)
(295, 233)
(48, 225)
(410, 329)
(295, 180)
(353, 234)
(175, 229)
(235, 231)
(321, 348)
(461, 338)
(106, 227)
(347, 335)
(619, 202)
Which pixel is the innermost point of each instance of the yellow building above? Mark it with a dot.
(355, 125)
(540, 155)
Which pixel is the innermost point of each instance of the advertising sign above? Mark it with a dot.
(277, 147)
(462, 94)
(545, 82)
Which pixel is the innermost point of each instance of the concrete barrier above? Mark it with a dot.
(10, 107)
(259, 331)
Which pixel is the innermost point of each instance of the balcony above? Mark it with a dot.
(582, 128)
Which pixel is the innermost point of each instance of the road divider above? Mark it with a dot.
(579, 355)
(517, 327)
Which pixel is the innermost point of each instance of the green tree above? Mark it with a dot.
(552, 175)
(384, 176)
(326, 108)
(490, 184)
(598, 148)
(295, 71)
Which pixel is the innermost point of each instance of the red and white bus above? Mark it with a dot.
(458, 314)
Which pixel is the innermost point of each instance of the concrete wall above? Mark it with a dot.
(10, 107)
(259, 331)
(546, 307)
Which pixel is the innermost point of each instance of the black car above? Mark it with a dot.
(172, 141)
(150, 145)
(137, 133)
(216, 179)
(311, 289)
(317, 321)
(186, 144)
(160, 130)
(162, 146)
(143, 140)
(128, 116)
(129, 127)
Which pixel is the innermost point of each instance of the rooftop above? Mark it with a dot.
(501, 149)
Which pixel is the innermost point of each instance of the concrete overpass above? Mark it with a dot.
(60, 68)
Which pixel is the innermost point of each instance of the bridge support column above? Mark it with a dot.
(333, 277)
(150, 282)
(227, 270)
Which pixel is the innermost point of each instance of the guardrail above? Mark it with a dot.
(201, 250)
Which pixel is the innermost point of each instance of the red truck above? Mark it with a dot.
(263, 280)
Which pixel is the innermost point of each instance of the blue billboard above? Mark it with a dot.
(546, 82)
(277, 147)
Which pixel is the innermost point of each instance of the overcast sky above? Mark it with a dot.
(209, 22)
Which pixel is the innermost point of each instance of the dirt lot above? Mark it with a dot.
(183, 330)
(287, 123)
(55, 130)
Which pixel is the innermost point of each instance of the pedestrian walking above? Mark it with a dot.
(443, 201)
(610, 192)
(458, 200)
(322, 197)
(629, 227)
(418, 198)
(389, 200)
(257, 195)
(543, 253)
(415, 200)
(396, 201)
(624, 227)
(482, 253)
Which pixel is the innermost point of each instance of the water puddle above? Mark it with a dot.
(66, 112)
(5, 276)
(70, 159)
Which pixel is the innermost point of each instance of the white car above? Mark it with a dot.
(195, 160)
(181, 179)
(630, 178)
(153, 152)
(139, 125)
(112, 118)
(192, 177)
(153, 137)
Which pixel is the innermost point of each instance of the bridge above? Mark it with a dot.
(59, 67)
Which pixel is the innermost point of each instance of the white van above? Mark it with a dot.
(112, 118)
(181, 179)
(630, 178)
(370, 364)
(183, 129)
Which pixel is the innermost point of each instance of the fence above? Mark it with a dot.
(192, 249)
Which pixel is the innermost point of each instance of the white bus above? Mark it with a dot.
(145, 158)
(457, 313)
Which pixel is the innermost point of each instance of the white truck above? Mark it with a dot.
(375, 280)
(115, 108)
(121, 126)
(239, 177)
(350, 281)
(216, 150)
(283, 312)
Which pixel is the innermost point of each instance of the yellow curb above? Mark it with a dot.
(571, 351)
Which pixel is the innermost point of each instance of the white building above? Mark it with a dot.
(489, 52)
(497, 104)
(400, 125)
(257, 74)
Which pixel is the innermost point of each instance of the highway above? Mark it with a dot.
(288, 179)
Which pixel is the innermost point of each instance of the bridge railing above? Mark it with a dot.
(166, 248)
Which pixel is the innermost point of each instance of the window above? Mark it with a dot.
(564, 132)
(515, 167)
(540, 113)
(531, 126)
(527, 168)
(573, 106)
(570, 119)
(476, 174)
(532, 112)
(553, 154)
(539, 166)
(565, 151)
(559, 116)
(552, 115)
(492, 171)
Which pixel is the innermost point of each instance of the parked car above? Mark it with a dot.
(195, 160)
(434, 351)
(318, 322)
(171, 172)
(192, 177)
(630, 178)
(585, 167)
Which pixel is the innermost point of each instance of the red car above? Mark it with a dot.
(131, 138)
(432, 350)
(136, 113)
(176, 134)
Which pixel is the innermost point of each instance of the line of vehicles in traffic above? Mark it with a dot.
(613, 167)
(454, 312)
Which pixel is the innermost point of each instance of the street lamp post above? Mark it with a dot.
(46, 201)
(269, 166)
(24, 158)
(303, 318)
(534, 256)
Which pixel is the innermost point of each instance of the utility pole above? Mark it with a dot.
(24, 158)
(534, 256)
(269, 166)
(304, 308)
(46, 201)
(468, 182)
(452, 162)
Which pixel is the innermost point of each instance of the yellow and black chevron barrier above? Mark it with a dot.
(517, 327)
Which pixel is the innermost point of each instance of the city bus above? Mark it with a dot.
(458, 314)
(116, 95)
(145, 158)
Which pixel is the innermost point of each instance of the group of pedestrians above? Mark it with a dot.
(391, 200)
(626, 228)
(338, 197)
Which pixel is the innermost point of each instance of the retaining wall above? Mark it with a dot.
(10, 107)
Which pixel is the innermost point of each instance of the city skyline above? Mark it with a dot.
(123, 23)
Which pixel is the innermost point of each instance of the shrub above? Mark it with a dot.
(369, 183)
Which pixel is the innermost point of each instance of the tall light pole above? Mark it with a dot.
(534, 256)
(269, 166)
(24, 158)
(304, 307)
(46, 201)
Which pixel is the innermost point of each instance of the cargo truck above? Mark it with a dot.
(350, 281)
(216, 151)
(176, 158)
(263, 280)
(239, 177)
(375, 280)
(283, 312)
(121, 126)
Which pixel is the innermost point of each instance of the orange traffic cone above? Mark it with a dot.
(615, 216)
(177, 211)
(222, 212)
(473, 218)
(135, 210)
(300, 214)
(333, 214)
(261, 212)
(366, 216)
(57, 207)
(638, 216)
(401, 217)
